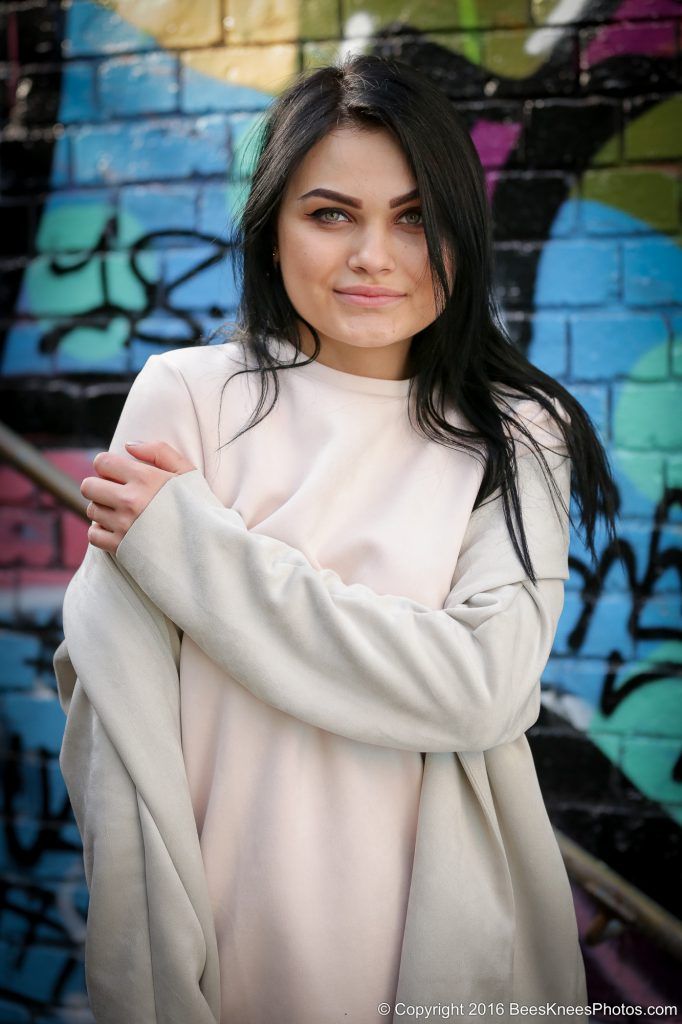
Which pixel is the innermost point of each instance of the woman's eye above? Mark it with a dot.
(416, 213)
(319, 215)
(325, 213)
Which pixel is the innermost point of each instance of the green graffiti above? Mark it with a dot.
(646, 414)
(80, 283)
(91, 345)
(642, 734)
(71, 227)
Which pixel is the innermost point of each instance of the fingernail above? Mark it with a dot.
(130, 443)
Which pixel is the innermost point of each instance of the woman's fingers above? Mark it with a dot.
(114, 496)
(120, 468)
(104, 492)
(120, 494)
(102, 514)
(104, 539)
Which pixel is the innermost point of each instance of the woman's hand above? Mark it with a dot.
(124, 488)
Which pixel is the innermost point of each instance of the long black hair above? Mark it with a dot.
(465, 356)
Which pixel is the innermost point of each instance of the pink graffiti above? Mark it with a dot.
(494, 142)
(650, 38)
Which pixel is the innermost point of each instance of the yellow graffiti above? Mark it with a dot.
(231, 34)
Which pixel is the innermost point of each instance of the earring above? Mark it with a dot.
(275, 253)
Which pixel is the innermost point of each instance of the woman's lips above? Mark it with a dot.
(368, 300)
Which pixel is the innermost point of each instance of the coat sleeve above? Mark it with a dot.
(155, 409)
(376, 668)
(150, 947)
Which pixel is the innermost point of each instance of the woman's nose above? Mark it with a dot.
(372, 252)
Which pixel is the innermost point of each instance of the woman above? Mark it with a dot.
(364, 587)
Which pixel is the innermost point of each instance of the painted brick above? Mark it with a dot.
(49, 850)
(668, 547)
(577, 273)
(523, 203)
(40, 596)
(646, 416)
(257, 23)
(151, 151)
(93, 29)
(542, 9)
(673, 477)
(606, 631)
(73, 533)
(155, 209)
(427, 14)
(18, 222)
(77, 94)
(316, 53)
(26, 538)
(497, 138)
(595, 400)
(244, 132)
(21, 354)
(560, 133)
(62, 162)
(653, 130)
(659, 618)
(201, 92)
(649, 47)
(15, 487)
(604, 347)
(26, 902)
(649, 196)
(37, 90)
(219, 208)
(39, 721)
(213, 287)
(548, 347)
(512, 57)
(92, 349)
(74, 220)
(37, 972)
(676, 324)
(611, 573)
(86, 283)
(319, 18)
(19, 655)
(34, 781)
(650, 762)
(143, 84)
(11, 1013)
(159, 331)
(637, 534)
(581, 678)
(235, 78)
(640, 480)
(652, 272)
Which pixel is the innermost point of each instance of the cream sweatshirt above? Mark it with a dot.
(334, 624)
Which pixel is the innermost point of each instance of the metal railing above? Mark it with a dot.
(619, 901)
(29, 461)
(620, 904)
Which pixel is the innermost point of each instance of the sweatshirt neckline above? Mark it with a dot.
(340, 378)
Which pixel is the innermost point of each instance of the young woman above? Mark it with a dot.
(365, 579)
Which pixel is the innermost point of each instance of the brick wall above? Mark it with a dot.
(122, 151)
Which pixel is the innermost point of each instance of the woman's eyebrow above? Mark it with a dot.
(328, 193)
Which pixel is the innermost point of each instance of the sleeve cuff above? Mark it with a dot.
(158, 528)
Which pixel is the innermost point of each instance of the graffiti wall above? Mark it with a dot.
(124, 151)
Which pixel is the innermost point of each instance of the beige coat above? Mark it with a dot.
(490, 916)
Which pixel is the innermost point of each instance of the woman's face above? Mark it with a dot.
(367, 235)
